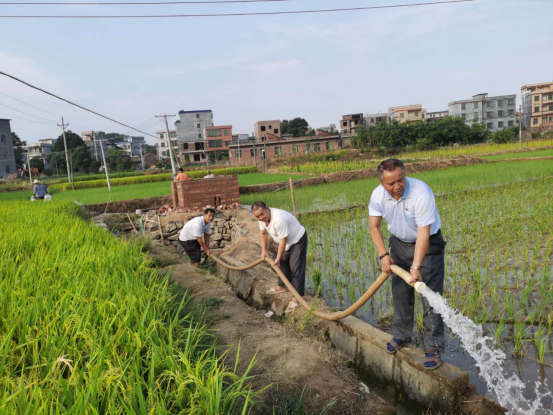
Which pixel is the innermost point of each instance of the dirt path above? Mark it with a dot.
(283, 357)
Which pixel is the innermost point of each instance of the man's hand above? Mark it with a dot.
(277, 262)
(207, 251)
(264, 254)
(415, 276)
(387, 262)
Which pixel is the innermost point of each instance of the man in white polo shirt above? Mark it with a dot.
(191, 234)
(291, 238)
(416, 245)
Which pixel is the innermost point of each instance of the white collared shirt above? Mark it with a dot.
(194, 228)
(416, 208)
(283, 225)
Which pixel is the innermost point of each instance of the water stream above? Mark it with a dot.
(508, 391)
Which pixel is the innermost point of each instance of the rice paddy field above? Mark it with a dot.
(136, 191)
(498, 223)
(88, 326)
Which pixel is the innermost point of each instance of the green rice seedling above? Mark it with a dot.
(498, 333)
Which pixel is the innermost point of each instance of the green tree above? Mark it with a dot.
(73, 141)
(18, 148)
(81, 159)
(297, 127)
(94, 167)
(37, 164)
(76, 147)
(150, 149)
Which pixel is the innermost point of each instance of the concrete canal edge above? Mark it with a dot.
(441, 390)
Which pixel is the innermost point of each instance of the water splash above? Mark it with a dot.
(509, 391)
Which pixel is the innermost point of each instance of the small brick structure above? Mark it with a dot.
(199, 193)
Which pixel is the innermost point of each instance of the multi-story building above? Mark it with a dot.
(7, 156)
(496, 113)
(93, 140)
(132, 146)
(262, 128)
(218, 138)
(254, 153)
(330, 129)
(537, 105)
(41, 150)
(407, 113)
(373, 119)
(162, 144)
(191, 124)
(436, 115)
(349, 124)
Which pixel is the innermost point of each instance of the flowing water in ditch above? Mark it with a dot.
(509, 391)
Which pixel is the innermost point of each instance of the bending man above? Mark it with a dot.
(291, 238)
(416, 245)
(191, 234)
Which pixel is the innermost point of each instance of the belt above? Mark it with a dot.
(413, 243)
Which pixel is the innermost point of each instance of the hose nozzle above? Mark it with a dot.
(420, 287)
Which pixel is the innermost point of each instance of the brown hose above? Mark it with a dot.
(326, 316)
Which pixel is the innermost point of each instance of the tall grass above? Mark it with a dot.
(86, 326)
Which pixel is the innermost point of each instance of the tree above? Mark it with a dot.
(81, 159)
(18, 148)
(297, 127)
(94, 167)
(150, 149)
(112, 135)
(73, 141)
(76, 147)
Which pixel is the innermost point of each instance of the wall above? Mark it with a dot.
(195, 194)
(271, 127)
(7, 161)
(187, 128)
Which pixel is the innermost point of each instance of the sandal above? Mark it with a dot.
(292, 305)
(273, 291)
(394, 345)
(432, 359)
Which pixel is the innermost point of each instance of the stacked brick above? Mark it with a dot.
(195, 194)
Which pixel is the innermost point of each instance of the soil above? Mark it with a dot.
(285, 357)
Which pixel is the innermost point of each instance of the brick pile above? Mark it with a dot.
(195, 194)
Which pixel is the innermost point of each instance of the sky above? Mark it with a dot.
(246, 69)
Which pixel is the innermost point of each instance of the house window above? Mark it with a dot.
(214, 133)
(198, 126)
(227, 143)
(263, 128)
(198, 146)
(500, 113)
(162, 144)
(308, 148)
(489, 114)
(278, 151)
(475, 105)
(196, 157)
(270, 127)
(253, 152)
(227, 132)
(345, 123)
(294, 149)
(416, 113)
(8, 171)
(317, 147)
(328, 145)
(544, 120)
(537, 98)
(160, 136)
(488, 104)
(276, 130)
(475, 116)
(500, 124)
(345, 131)
(200, 136)
(551, 108)
(402, 115)
(550, 97)
(197, 116)
(511, 123)
(215, 143)
(511, 113)
(463, 107)
(500, 103)
(238, 153)
(536, 109)
(185, 146)
(203, 155)
(511, 102)
(490, 126)
(535, 121)
(550, 119)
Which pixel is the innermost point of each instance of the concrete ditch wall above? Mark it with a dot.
(441, 390)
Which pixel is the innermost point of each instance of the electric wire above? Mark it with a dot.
(289, 12)
(29, 105)
(26, 119)
(22, 112)
(131, 3)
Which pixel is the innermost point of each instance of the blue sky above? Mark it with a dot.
(246, 69)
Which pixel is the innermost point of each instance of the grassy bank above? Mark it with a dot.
(87, 326)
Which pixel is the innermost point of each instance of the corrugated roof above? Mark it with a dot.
(193, 112)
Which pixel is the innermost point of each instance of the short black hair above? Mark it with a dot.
(209, 210)
(389, 165)
(181, 170)
(259, 204)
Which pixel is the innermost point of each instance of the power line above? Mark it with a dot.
(164, 16)
(29, 105)
(137, 3)
(31, 115)
(25, 119)
(74, 104)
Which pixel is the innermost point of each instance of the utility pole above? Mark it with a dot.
(170, 145)
(520, 127)
(63, 125)
(142, 158)
(105, 164)
(265, 154)
(254, 153)
(30, 173)
(239, 153)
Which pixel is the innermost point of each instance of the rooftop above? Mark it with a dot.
(535, 85)
(193, 112)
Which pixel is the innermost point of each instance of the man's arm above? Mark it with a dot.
(375, 224)
(205, 245)
(281, 249)
(421, 246)
(263, 242)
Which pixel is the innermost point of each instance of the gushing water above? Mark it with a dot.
(508, 391)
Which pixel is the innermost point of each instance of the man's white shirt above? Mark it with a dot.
(194, 228)
(283, 225)
(415, 209)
